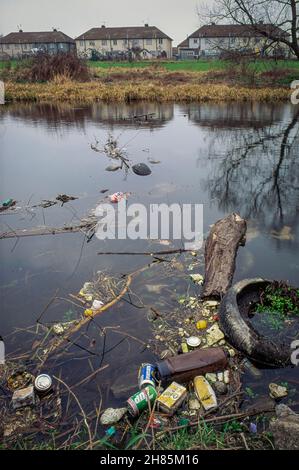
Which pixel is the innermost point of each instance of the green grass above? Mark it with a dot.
(193, 66)
(4, 63)
(185, 65)
(277, 305)
(124, 65)
(197, 65)
(205, 436)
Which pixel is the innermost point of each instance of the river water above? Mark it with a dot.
(229, 157)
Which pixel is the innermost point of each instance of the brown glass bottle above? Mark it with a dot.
(185, 367)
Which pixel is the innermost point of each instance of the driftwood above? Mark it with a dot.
(145, 253)
(43, 230)
(59, 341)
(220, 254)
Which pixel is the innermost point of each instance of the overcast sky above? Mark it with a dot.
(177, 18)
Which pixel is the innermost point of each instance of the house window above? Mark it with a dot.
(82, 43)
(160, 41)
(104, 42)
(125, 42)
(149, 42)
(195, 41)
(92, 43)
(7, 46)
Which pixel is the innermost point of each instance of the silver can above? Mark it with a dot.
(193, 342)
(43, 384)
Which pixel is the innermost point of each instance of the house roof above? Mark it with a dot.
(35, 37)
(237, 30)
(134, 32)
(184, 43)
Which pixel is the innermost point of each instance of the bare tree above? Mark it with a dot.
(267, 18)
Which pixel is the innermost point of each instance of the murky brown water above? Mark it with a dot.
(229, 157)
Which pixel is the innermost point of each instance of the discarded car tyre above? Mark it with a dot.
(235, 324)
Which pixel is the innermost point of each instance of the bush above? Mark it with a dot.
(45, 67)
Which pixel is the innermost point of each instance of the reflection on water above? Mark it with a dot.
(235, 116)
(258, 171)
(230, 157)
(54, 117)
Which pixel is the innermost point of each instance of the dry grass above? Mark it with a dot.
(153, 83)
(74, 92)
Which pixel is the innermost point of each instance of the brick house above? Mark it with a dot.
(145, 41)
(210, 40)
(21, 44)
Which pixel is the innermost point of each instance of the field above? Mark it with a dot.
(186, 65)
(195, 66)
(198, 65)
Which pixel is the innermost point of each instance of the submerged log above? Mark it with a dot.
(220, 254)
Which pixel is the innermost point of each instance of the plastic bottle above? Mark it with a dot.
(185, 367)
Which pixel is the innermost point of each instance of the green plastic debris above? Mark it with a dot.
(7, 202)
(111, 431)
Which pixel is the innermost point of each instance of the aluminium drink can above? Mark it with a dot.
(146, 375)
(43, 384)
(141, 400)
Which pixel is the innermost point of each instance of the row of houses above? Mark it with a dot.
(216, 39)
(143, 42)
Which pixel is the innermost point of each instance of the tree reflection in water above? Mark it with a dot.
(257, 172)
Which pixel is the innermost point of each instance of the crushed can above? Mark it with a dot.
(141, 400)
(147, 375)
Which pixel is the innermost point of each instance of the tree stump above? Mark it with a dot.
(220, 254)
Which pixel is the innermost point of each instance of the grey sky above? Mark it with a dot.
(177, 18)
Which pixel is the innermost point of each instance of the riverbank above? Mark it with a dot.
(86, 93)
(76, 82)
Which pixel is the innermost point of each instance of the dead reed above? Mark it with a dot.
(66, 90)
